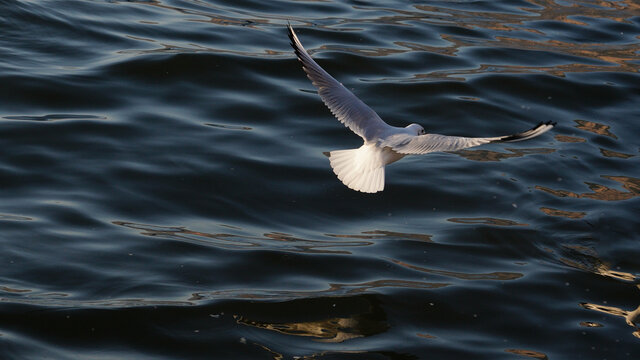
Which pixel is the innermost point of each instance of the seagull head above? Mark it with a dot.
(415, 129)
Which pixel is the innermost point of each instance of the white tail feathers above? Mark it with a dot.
(360, 169)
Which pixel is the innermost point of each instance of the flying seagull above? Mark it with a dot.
(362, 169)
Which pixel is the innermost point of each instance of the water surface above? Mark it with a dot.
(164, 192)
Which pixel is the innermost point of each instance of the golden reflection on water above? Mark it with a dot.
(503, 32)
(631, 317)
(617, 57)
(527, 353)
(602, 192)
(569, 139)
(488, 155)
(615, 154)
(596, 128)
(563, 213)
(12, 290)
(622, 57)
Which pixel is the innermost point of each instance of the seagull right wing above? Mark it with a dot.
(344, 105)
(422, 144)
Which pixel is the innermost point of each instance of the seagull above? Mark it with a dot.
(362, 169)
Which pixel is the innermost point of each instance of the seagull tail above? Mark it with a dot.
(359, 169)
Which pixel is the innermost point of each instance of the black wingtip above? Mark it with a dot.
(294, 43)
(527, 134)
(290, 33)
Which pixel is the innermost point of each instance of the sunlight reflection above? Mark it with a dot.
(630, 317)
(12, 290)
(528, 353)
(595, 128)
(602, 192)
(569, 139)
(488, 155)
(506, 29)
(563, 213)
(615, 154)
(623, 57)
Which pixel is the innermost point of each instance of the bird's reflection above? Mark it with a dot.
(333, 330)
(337, 319)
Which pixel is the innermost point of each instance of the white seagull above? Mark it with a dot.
(362, 169)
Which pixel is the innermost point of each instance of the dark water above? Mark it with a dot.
(163, 192)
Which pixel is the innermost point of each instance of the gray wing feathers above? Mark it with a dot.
(433, 142)
(344, 105)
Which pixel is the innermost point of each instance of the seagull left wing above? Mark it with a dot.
(344, 105)
(422, 144)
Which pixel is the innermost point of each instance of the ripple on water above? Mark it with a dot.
(164, 192)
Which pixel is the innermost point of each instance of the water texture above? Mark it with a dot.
(164, 193)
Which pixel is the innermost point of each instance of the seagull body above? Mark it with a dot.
(362, 169)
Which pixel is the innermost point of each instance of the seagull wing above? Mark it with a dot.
(422, 144)
(344, 105)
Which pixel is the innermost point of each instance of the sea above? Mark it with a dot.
(164, 192)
